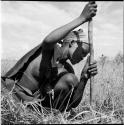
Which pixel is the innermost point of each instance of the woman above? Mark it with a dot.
(45, 67)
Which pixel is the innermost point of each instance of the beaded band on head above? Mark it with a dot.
(78, 36)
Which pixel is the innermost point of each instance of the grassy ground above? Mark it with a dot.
(107, 106)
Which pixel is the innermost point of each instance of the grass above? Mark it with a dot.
(107, 106)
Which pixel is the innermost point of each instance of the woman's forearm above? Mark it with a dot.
(61, 32)
(88, 12)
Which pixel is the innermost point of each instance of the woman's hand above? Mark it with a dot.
(89, 70)
(89, 11)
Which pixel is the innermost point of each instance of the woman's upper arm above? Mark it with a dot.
(47, 53)
(47, 46)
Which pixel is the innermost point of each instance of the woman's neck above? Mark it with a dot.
(64, 53)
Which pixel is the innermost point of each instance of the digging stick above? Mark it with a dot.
(90, 38)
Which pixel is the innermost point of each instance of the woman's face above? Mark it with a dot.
(78, 51)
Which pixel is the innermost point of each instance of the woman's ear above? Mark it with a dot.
(70, 44)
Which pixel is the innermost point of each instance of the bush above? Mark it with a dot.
(119, 58)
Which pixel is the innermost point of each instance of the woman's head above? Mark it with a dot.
(78, 46)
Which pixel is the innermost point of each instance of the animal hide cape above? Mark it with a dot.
(23, 63)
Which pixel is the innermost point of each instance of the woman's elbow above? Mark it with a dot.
(46, 40)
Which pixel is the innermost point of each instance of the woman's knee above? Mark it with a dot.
(71, 79)
(67, 82)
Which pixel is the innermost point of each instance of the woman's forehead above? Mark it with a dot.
(83, 45)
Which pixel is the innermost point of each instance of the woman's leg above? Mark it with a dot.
(63, 91)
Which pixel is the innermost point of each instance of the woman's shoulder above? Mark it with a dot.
(24, 62)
